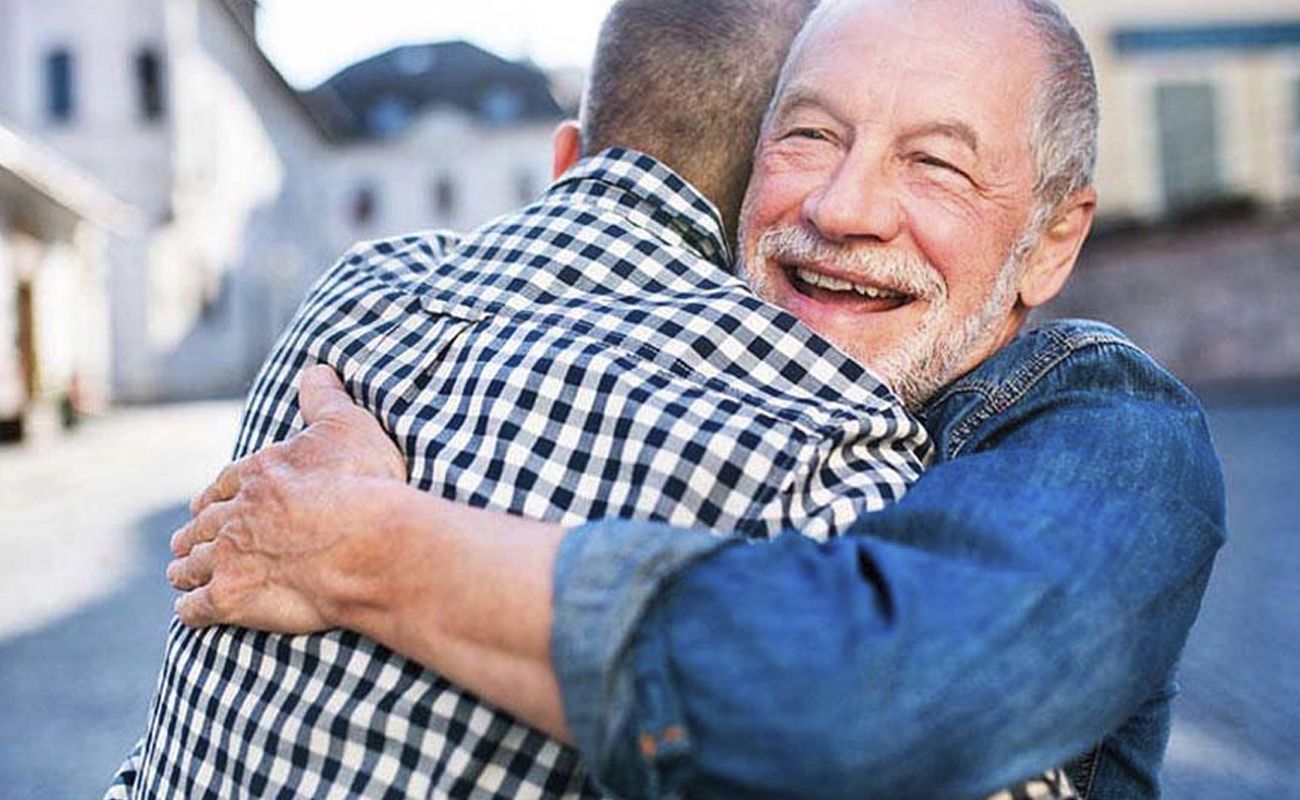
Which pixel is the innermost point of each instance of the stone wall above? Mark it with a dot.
(1216, 302)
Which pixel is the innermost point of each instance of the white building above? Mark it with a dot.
(440, 135)
(1200, 102)
(55, 226)
(248, 188)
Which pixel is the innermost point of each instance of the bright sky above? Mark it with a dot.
(309, 40)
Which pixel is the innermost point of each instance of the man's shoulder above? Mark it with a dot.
(1061, 361)
(379, 267)
(408, 255)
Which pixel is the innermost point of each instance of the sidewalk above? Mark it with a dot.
(84, 606)
(68, 506)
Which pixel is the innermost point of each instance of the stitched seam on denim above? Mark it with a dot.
(1092, 770)
(1039, 364)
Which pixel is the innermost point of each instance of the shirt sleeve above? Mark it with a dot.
(1018, 604)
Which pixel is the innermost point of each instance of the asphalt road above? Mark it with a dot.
(83, 606)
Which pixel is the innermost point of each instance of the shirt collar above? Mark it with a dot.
(673, 202)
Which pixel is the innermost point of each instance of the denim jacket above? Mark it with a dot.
(1024, 605)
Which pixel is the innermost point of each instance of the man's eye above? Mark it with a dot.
(808, 133)
(939, 163)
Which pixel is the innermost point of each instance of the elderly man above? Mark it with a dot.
(915, 192)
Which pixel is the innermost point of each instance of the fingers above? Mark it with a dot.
(203, 528)
(193, 570)
(224, 487)
(195, 608)
(321, 394)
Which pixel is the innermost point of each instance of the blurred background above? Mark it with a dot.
(175, 173)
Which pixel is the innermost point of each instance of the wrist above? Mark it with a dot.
(363, 589)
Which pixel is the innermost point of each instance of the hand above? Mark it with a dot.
(340, 436)
(284, 538)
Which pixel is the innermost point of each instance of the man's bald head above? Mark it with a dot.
(1063, 126)
(687, 81)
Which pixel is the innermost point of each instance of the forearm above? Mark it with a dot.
(1009, 612)
(466, 593)
(890, 670)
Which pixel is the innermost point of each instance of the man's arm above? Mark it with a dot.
(321, 531)
(1015, 607)
(1011, 610)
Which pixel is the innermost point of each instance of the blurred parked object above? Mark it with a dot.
(250, 189)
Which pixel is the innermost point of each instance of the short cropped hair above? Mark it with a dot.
(687, 81)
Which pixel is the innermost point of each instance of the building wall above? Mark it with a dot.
(247, 234)
(11, 386)
(231, 181)
(53, 350)
(489, 171)
(1213, 298)
(1255, 89)
(8, 61)
(107, 134)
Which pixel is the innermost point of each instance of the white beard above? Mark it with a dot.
(934, 353)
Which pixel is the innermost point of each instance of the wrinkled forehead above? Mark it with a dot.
(980, 57)
(986, 16)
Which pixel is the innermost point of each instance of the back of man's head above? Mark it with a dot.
(687, 81)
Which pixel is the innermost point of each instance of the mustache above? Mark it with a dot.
(893, 269)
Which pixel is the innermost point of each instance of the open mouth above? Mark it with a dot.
(840, 291)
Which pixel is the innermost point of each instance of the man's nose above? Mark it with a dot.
(859, 203)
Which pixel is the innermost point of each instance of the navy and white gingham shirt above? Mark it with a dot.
(589, 357)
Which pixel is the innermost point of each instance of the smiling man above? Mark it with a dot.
(916, 191)
(904, 129)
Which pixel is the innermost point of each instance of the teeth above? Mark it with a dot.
(834, 284)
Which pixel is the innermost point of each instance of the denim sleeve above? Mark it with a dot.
(1019, 603)
(606, 573)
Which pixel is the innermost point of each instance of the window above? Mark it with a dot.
(365, 203)
(60, 102)
(148, 79)
(388, 117)
(1295, 127)
(444, 197)
(501, 105)
(1189, 144)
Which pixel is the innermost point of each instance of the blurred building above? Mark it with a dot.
(249, 188)
(1200, 103)
(438, 135)
(55, 225)
(1197, 254)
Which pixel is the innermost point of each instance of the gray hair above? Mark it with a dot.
(1063, 127)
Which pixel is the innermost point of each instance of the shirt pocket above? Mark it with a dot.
(409, 358)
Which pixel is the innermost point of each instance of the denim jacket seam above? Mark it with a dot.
(1086, 789)
(1002, 396)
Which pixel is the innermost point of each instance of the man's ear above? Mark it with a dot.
(566, 147)
(1053, 259)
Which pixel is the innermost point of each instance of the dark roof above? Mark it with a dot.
(379, 96)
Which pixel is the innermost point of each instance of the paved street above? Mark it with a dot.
(84, 524)
(83, 607)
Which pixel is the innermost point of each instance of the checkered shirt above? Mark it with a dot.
(588, 357)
